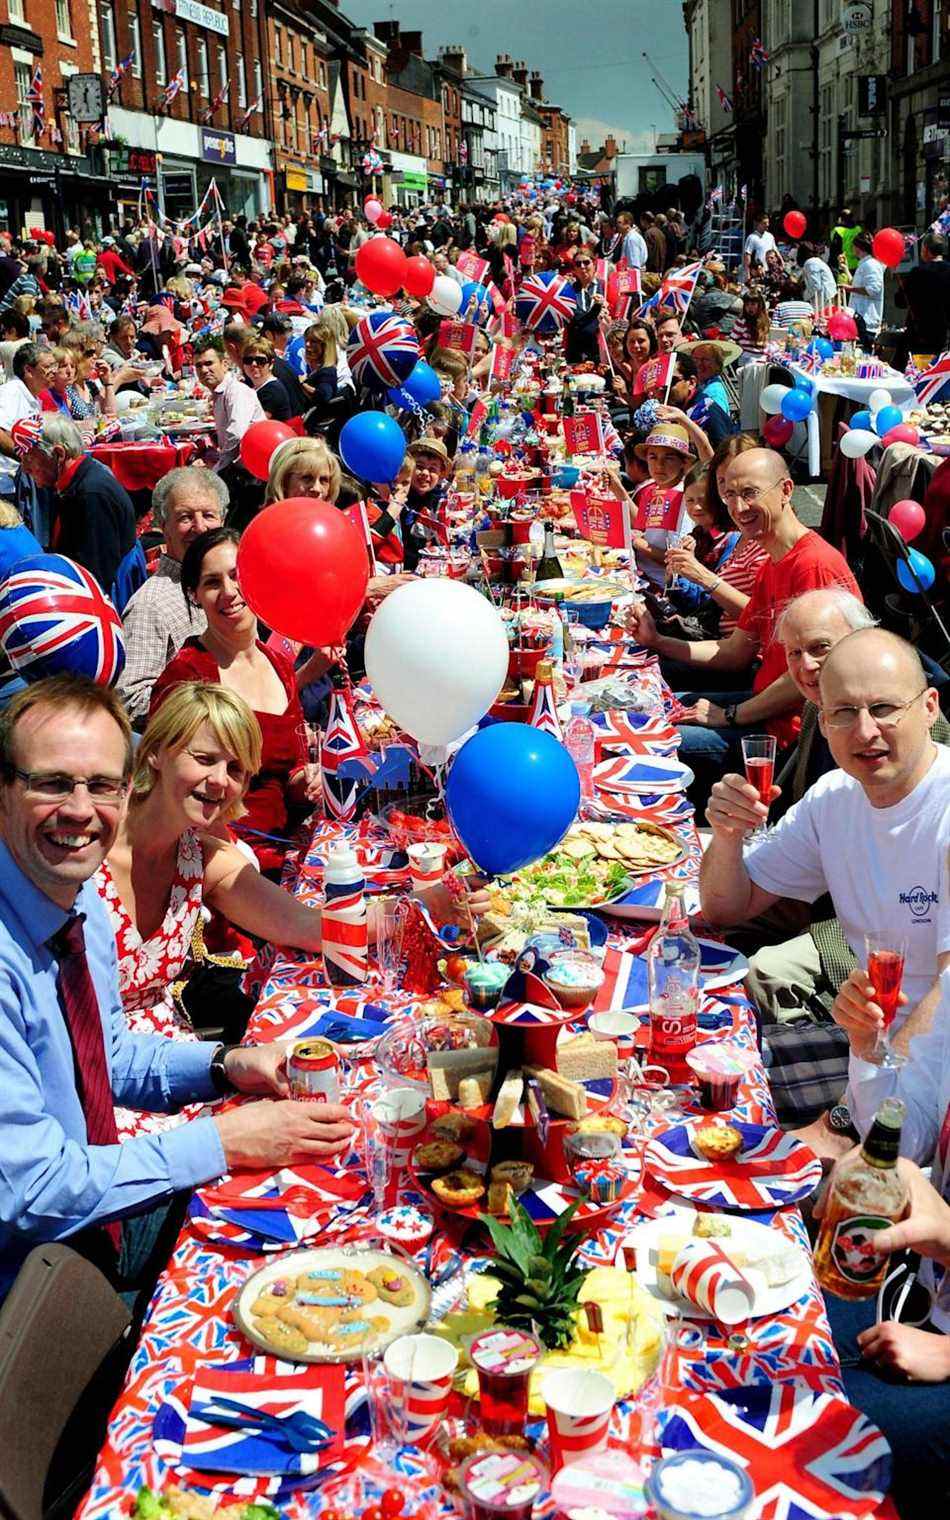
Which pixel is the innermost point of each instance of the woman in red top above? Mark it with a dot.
(230, 652)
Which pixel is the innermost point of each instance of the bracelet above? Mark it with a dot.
(716, 583)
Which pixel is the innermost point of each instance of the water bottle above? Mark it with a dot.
(579, 743)
(673, 966)
(345, 939)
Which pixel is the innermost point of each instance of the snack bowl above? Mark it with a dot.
(677, 1483)
(590, 614)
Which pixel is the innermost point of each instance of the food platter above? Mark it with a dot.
(543, 1200)
(593, 865)
(340, 1273)
(747, 1234)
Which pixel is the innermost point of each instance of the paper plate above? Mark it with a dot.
(642, 775)
(646, 1238)
(719, 966)
(772, 1169)
(811, 1456)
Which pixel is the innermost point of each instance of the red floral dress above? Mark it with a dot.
(148, 968)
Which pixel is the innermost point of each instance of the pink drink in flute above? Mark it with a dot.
(758, 756)
(885, 953)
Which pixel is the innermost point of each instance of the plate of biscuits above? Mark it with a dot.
(332, 1304)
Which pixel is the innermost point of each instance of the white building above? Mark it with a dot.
(709, 31)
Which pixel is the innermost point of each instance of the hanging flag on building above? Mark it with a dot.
(214, 105)
(371, 162)
(34, 96)
(245, 118)
(119, 73)
(758, 57)
(724, 99)
(172, 90)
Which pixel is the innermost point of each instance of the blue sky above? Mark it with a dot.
(589, 53)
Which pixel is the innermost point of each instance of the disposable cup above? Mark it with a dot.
(579, 1404)
(421, 1368)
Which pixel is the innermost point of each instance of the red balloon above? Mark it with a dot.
(842, 327)
(381, 265)
(419, 277)
(908, 517)
(259, 443)
(795, 223)
(777, 431)
(384, 220)
(902, 433)
(303, 568)
(888, 245)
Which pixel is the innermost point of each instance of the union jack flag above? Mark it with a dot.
(209, 110)
(34, 96)
(678, 286)
(545, 302)
(383, 350)
(758, 57)
(119, 73)
(245, 117)
(173, 89)
(807, 1454)
(804, 1324)
(933, 384)
(55, 617)
(340, 743)
(774, 1169)
(725, 102)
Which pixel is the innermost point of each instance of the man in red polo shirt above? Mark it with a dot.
(759, 497)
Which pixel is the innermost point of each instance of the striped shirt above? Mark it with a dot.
(740, 572)
(742, 334)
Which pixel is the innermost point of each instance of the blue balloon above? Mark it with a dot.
(796, 405)
(862, 420)
(824, 347)
(918, 575)
(372, 446)
(422, 387)
(512, 793)
(475, 306)
(886, 418)
(804, 384)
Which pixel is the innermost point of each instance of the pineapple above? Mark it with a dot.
(539, 1279)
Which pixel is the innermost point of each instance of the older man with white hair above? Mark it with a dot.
(94, 519)
(158, 619)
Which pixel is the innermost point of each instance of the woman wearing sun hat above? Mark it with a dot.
(711, 356)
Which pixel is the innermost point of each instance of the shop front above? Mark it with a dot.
(408, 182)
(189, 157)
(51, 191)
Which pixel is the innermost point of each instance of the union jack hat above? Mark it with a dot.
(26, 434)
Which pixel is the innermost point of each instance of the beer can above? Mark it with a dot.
(313, 1068)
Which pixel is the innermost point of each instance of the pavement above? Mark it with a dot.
(809, 503)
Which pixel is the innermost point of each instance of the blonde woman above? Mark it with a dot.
(303, 467)
(92, 391)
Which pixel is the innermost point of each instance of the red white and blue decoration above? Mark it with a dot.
(641, 774)
(383, 350)
(933, 384)
(772, 1169)
(810, 1456)
(225, 1212)
(55, 618)
(638, 733)
(340, 745)
(545, 302)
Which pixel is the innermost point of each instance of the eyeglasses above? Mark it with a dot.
(582, 263)
(90, 353)
(883, 714)
(54, 787)
(750, 496)
(256, 359)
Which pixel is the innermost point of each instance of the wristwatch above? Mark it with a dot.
(730, 710)
(838, 1119)
(217, 1071)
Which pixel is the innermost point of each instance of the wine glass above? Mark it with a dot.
(390, 922)
(758, 756)
(885, 953)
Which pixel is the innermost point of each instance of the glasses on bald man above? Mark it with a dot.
(750, 496)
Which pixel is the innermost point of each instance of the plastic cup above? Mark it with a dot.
(426, 864)
(719, 1069)
(579, 1405)
(704, 1275)
(614, 1024)
(504, 1360)
(420, 1368)
(501, 1485)
(484, 983)
(397, 1118)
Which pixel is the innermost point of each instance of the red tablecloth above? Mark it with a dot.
(140, 466)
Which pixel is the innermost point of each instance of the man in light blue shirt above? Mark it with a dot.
(65, 762)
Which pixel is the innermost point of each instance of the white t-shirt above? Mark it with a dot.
(870, 275)
(884, 867)
(757, 245)
(16, 401)
(635, 250)
(819, 279)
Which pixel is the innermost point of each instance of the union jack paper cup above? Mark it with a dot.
(401, 1116)
(421, 1368)
(704, 1275)
(579, 1405)
(426, 864)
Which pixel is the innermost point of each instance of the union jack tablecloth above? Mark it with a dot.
(189, 1325)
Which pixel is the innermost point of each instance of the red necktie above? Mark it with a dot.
(80, 1005)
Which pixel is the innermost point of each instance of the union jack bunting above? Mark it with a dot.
(545, 302)
(37, 104)
(119, 73)
(383, 350)
(724, 101)
(808, 1454)
(173, 89)
(933, 384)
(758, 57)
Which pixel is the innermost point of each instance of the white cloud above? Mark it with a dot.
(595, 131)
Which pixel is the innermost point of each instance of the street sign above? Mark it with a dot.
(871, 94)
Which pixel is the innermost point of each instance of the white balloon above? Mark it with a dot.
(437, 655)
(445, 297)
(772, 397)
(877, 399)
(858, 442)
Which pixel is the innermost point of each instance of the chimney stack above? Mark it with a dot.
(504, 65)
(537, 86)
(454, 57)
(520, 74)
(610, 146)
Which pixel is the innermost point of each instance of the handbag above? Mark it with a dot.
(210, 995)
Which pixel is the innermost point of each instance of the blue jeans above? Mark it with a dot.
(712, 745)
(915, 1417)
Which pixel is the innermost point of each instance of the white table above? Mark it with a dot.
(900, 389)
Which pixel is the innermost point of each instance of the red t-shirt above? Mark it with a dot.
(808, 565)
(283, 751)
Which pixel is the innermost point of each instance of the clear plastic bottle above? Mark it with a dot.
(673, 966)
(579, 743)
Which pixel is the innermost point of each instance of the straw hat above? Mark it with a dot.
(728, 351)
(666, 435)
(429, 446)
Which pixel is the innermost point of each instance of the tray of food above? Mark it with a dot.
(592, 866)
(332, 1304)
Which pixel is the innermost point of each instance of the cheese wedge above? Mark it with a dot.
(509, 1096)
(561, 1094)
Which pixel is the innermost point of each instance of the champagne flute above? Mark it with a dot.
(885, 953)
(758, 757)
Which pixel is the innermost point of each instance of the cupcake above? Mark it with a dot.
(406, 1226)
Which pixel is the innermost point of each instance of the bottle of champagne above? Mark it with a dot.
(567, 398)
(549, 566)
(868, 1194)
(544, 706)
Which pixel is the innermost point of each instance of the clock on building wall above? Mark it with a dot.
(86, 97)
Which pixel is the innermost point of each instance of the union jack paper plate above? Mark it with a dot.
(771, 1170)
(644, 901)
(642, 774)
(810, 1455)
(625, 982)
(637, 733)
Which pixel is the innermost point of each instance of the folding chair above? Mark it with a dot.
(890, 549)
(63, 1338)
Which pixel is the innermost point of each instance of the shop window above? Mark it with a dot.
(161, 65)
